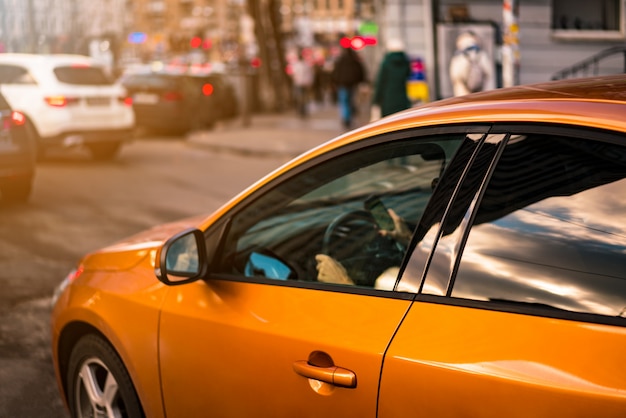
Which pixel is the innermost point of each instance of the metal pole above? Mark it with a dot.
(510, 47)
(4, 26)
(33, 35)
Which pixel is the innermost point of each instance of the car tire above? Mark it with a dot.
(102, 151)
(17, 191)
(40, 150)
(95, 367)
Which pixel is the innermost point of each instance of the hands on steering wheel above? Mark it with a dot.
(401, 231)
(330, 270)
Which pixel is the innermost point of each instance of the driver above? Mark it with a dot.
(330, 270)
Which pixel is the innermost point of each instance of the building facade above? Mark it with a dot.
(549, 34)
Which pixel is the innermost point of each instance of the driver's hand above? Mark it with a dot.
(401, 231)
(330, 270)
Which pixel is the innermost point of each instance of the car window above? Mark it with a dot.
(325, 223)
(82, 75)
(14, 74)
(155, 82)
(550, 230)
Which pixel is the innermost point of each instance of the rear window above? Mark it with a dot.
(84, 76)
(153, 81)
(550, 229)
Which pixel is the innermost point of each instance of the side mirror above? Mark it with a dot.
(182, 258)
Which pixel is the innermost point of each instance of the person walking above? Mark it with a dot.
(390, 92)
(470, 66)
(302, 75)
(347, 74)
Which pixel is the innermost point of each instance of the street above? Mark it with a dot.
(78, 206)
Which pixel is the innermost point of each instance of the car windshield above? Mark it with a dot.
(84, 76)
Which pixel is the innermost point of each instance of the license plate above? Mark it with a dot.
(98, 101)
(145, 98)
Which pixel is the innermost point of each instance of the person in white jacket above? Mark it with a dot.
(470, 66)
(302, 75)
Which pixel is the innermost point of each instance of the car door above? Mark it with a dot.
(521, 311)
(263, 335)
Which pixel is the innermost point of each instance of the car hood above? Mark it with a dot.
(128, 252)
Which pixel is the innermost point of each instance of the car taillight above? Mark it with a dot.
(207, 89)
(172, 96)
(18, 118)
(128, 101)
(60, 101)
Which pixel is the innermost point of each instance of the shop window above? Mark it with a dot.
(583, 19)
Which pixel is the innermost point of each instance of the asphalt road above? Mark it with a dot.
(77, 206)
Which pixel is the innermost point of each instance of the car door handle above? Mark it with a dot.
(334, 375)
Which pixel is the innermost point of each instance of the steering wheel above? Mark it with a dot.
(352, 239)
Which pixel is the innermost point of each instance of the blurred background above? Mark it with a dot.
(256, 39)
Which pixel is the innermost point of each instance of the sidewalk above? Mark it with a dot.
(284, 134)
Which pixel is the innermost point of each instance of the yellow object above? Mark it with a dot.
(418, 91)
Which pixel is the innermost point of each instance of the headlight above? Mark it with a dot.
(66, 282)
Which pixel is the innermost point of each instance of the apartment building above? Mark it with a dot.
(550, 34)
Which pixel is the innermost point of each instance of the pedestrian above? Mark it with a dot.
(390, 91)
(469, 66)
(302, 75)
(348, 73)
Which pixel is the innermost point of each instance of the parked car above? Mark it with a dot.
(68, 100)
(219, 89)
(466, 258)
(17, 155)
(177, 101)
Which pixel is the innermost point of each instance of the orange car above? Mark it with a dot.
(466, 258)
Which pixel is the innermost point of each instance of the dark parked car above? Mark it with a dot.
(17, 155)
(179, 103)
(221, 90)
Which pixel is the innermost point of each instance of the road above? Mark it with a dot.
(77, 206)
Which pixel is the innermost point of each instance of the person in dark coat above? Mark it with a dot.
(347, 74)
(390, 92)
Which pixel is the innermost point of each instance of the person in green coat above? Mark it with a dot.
(390, 92)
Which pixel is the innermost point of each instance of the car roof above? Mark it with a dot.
(595, 102)
(51, 60)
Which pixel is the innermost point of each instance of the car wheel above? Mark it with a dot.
(98, 383)
(17, 191)
(40, 150)
(104, 150)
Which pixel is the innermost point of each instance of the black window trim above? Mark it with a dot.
(470, 215)
(509, 129)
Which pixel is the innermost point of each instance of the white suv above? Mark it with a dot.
(69, 100)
